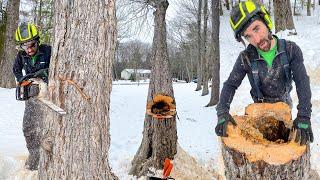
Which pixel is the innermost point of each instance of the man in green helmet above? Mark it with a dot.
(271, 64)
(32, 58)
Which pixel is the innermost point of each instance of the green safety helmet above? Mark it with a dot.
(246, 12)
(26, 32)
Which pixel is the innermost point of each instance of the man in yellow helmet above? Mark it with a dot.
(270, 64)
(32, 58)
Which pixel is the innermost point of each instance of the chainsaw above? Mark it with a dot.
(32, 86)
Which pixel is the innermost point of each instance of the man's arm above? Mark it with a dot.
(17, 68)
(302, 82)
(230, 86)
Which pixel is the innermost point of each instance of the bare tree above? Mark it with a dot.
(294, 8)
(204, 57)
(199, 67)
(215, 54)
(283, 16)
(76, 145)
(227, 4)
(159, 136)
(3, 24)
(308, 8)
(6, 76)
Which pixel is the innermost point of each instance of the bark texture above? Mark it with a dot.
(205, 90)
(283, 15)
(159, 136)
(76, 145)
(238, 167)
(215, 54)
(199, 45)
(9, 52)
(262, 146)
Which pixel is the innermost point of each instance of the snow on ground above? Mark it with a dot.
(195, 124)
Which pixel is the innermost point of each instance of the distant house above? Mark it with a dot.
(142, 73)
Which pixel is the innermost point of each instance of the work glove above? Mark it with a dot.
(223, 120)
(304, 132)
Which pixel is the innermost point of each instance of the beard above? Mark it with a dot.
(264, 44)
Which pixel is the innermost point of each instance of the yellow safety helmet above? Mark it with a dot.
(26, 32)
(244, 13)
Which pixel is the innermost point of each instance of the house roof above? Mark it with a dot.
(140, 71)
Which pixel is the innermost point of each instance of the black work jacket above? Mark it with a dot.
(273, 80)
(23, 61)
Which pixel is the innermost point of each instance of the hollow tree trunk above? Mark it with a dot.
(9, 52)
(76, 145)
(261, 145)
(159, 135)
(215, 54)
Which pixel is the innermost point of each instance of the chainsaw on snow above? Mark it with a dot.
(31, 85)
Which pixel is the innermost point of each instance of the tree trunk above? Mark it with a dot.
(261, 145)
(215, 54)
(314, 5)
(283, 16)
(221, 10)
(3, 25)
(227, 5)
(205, 90)
(199, 66)
(269, 8)
(7, 79)
(308, 8)
(39, 19)
(76, 145)
(294, 8)
(159, 135)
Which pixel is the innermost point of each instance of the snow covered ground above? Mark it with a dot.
(195, 124)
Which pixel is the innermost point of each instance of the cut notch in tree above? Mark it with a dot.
(261, 145)
(161, 107)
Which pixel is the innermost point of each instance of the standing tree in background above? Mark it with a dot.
(199, 66)
(215, 54)
(9, 51)
(283, 16)
(3, 23)
(76, 145)
(159, 135)
(205, 61)
(308, 8)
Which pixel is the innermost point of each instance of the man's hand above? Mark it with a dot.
(304, 132)
(223, 120)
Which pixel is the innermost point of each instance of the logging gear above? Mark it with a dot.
(26, 32)
(304, 133)
(244, 13)
(222, 124)
(273, 84)
(40, 60)
(27, 88)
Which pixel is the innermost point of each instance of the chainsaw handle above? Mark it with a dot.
(32, 75)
